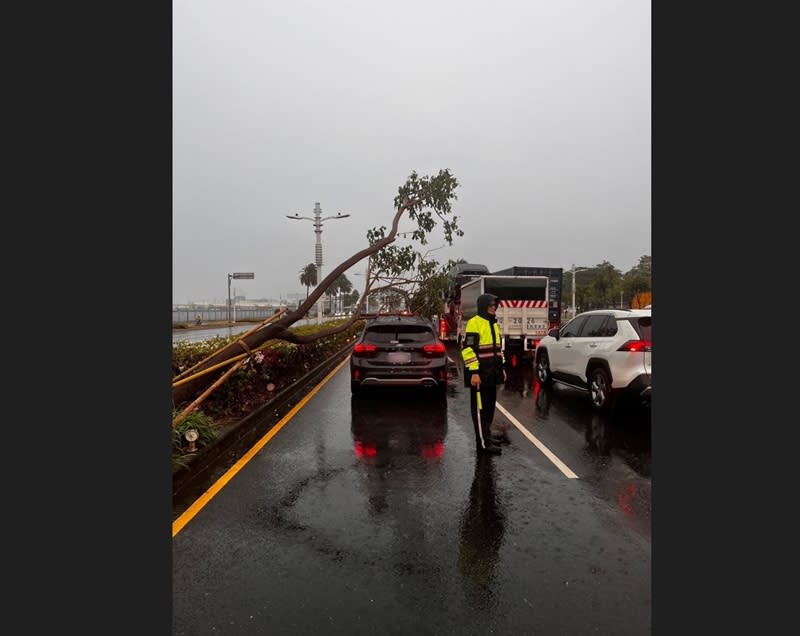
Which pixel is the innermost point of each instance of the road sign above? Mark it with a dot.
(243, 275)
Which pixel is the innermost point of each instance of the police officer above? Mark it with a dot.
(484, 370)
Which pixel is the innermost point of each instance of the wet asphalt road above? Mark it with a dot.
(374, 515)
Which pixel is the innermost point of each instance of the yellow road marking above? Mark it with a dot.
(209, 494)
(559, 464)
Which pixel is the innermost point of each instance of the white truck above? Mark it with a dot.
(528, 307)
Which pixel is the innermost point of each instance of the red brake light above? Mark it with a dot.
(362, 348)
(637, 346)
(434, 349)
(433, 450)
(364, 449)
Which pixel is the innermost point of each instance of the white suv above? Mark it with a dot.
(606, 352)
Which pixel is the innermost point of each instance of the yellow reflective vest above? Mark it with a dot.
(480, 352)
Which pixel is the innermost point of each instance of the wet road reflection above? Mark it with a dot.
(373, 514)
(386, 429)
(393, 432)
(610, 452)
(482, 529)
(519, 379)
(624, 433)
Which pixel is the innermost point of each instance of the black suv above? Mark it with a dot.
(398, 350)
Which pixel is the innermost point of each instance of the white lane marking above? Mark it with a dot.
(547, 453)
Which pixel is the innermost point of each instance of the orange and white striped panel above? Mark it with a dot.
(523, 303)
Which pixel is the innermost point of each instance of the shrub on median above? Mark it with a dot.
(277, 363)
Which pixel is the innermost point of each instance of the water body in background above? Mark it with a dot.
(198, 335)
(220, 313)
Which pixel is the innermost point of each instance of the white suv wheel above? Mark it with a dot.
(600, 389)
(543, 367)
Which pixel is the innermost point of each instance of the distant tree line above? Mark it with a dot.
(340, 291)
(606, 286)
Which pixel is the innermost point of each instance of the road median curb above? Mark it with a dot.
(234, 438)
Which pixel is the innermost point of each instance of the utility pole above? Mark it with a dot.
(575, 271)
(317, 221)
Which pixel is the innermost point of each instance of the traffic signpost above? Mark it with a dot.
(236, 275)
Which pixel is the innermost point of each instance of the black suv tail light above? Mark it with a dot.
(435, 350)
(364, 350)
(637, 346)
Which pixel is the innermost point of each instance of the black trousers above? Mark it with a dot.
(482, 419)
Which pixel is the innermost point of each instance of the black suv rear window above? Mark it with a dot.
(393, 333)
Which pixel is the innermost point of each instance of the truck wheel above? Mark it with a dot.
(543, 368)
(600, 390)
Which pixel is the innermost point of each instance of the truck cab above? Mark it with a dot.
(451, 314)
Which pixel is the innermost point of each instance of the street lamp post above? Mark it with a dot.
(366, 282)
(317, 221)
(575, 271)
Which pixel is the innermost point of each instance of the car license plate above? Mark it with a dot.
(398, 357)
(539, 326)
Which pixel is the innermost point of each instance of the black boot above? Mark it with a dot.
(492, 449)
(499, 433)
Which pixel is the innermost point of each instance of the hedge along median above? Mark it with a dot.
(261, 376)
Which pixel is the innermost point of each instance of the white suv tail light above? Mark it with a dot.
(637, 346)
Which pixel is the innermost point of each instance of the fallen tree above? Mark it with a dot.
(424, 200)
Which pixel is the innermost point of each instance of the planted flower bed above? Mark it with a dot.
(267, 371)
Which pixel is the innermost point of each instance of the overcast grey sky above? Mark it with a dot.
(540, 108)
